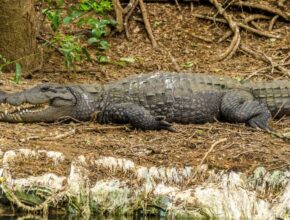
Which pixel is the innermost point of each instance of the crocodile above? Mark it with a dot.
(152, 101)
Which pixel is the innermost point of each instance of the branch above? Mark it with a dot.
(244, 26)
(235, 29)
(147, 24)
(266, 8)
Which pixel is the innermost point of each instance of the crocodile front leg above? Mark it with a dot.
(240, 107)
(137, 116)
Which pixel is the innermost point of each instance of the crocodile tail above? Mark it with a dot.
(275, 94)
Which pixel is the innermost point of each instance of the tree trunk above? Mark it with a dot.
(18, 25)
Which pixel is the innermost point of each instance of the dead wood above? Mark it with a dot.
(272, 22)
(262, 7)
(128, 15)
(230, 51)
(244, 26)
(123, 15)
(261, 56)
(249, 23)
(146, 23)
(119, 14)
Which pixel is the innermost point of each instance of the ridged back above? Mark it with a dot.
(157, 90)
(275, 94)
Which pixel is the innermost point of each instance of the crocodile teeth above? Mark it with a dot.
(15, 111)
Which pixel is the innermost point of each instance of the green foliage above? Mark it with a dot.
(103, 59)
(53, 17)
(70, 47)
(85, 6)
(17, 75)
(4, 62)
(18, 70)
(83, 14)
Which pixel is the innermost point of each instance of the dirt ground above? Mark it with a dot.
(192, 45)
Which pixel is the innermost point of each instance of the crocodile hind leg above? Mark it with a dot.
(137, 116)
(240, 107)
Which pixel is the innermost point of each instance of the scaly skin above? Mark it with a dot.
(146, 100)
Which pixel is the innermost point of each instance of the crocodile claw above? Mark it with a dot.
(164, 125)
(262, 124)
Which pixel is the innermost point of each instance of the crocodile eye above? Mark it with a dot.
(44, 89)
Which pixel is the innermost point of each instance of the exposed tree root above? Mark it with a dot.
(177, 5)
(244, 26)
(123, 15)
(261, 56)
(119, 14)
(251, 19)
(225, 36)
(147, 24)
(235, 29)
(256, 17)
(249, 23)
(272, 22)
(128, 15)
(263, 7)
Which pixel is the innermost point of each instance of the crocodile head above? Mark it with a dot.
(42, 103)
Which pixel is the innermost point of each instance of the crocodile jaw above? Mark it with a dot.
(35, 113)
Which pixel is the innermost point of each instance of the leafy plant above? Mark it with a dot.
(103, 59)
(18, 70)
(17, 75)
(83, 14)
(98, 31)
(70, 47)
(54, 17)
(4, 62)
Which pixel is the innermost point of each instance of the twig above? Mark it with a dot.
(253, 53)
(50, 138)
(281, 3)
(128, 7)
(256, 72)
(194, 175)
(177, 4)
(272, 22)
(244, 26)
(91, 70)
(99, 129)
(211, 149)
(50, 44)
(221, 20)
(235, 29)
(225, 36)
(266, 59)
(128, 15)
(278, 135)
(255, 25)
(263, 7)
(146, 23)
(286, 58)
(255, 17)
(258, 32)
(202, 38)
(279, 167)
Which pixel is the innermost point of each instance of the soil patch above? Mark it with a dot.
(22, 167)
